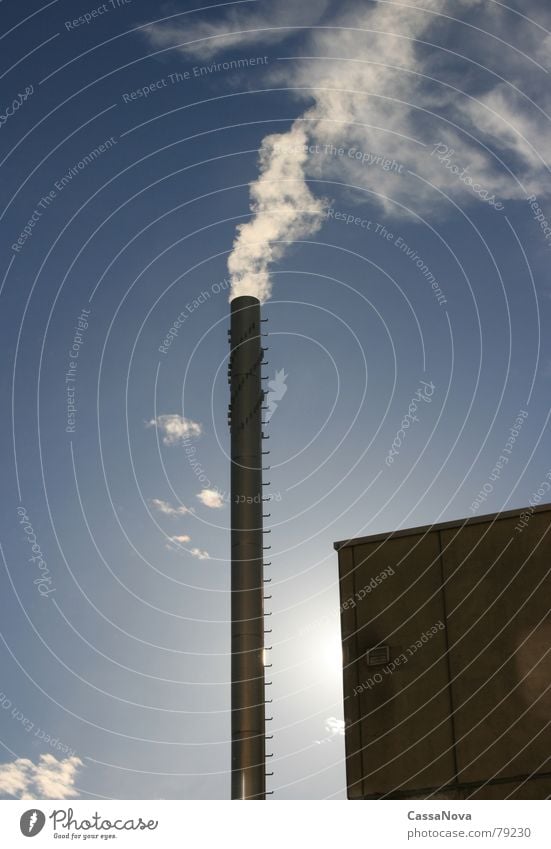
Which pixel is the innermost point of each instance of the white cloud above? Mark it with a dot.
(167, 509)
(334, 726)
(175, 428)
(200, 554)
(211, 498)
(252, 25)
(48, 779)
(178, 542)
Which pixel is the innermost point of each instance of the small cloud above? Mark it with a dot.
(211, 498)
(177, 543)
(334, 726)
(175, 428)
(48, 779)
(167, 509)
(199, 554)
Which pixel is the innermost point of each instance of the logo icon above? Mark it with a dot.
(32, 822)
(278, 388)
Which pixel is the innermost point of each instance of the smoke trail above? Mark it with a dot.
(284, 210)
(283, 207)
(378, 87)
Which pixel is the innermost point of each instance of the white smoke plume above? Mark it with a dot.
(284, 210)
(246, 25)
(381, 85)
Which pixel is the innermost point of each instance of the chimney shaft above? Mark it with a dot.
(247, 578)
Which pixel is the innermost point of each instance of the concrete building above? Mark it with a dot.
(446, 634)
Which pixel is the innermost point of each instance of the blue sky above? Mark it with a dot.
(377, 173)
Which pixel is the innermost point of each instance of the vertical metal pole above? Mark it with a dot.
(247, 587)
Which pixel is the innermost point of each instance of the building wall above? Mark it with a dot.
(461, 708)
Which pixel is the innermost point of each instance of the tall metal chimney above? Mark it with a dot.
(247, 578)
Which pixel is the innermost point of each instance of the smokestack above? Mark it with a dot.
(247, 578)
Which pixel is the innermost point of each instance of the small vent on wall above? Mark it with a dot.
(378, 655)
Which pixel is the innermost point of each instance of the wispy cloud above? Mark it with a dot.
(175, 428)
(211, 498)
(47, 779)
(167, 509)
(259, 23)
(178, 542)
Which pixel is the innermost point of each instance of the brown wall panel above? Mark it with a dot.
(352, 741)
(406, 730)
(535, 788)
(491, 573)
